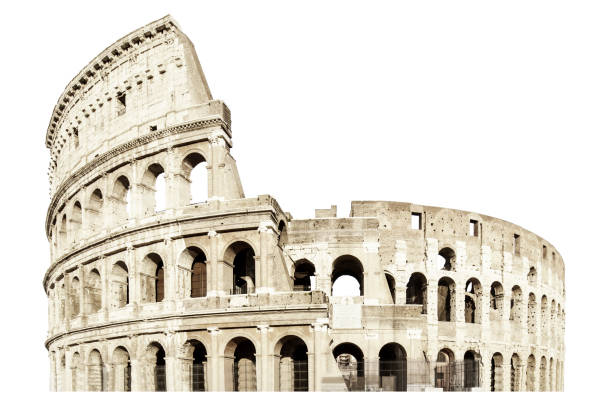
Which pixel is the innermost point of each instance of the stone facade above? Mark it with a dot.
(232, 293)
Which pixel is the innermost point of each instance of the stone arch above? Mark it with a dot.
(63, 232)
(240, 365)
(390, 285)
(95, 372)
(532, 276)
(75, 297)
(516, 304)
(348, 265)
(445, 374)
(349, 358)
(93, 292)
(531, 314)
(473, 301)
(515, 373)
(195, 189)
(194, 365)
(530, 381)
(446, 300)
(304, 276)
(121, 198)
(416, 290)
(291, 364)
(153, 187)
(77, 372)
(282, 233)
(447, 259)
(543, 315)
(497, 372)
(392, 367)
(543, 374)
(121, 370)
(471, 369)
(553, 311)
(154, 367)
(551, 374)
(192, 263)
(239, 258)
(153, 278)
(76, 221)
(119, 285)
(95, 211)
(496, 308)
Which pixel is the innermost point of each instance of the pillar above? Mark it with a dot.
(215, 369)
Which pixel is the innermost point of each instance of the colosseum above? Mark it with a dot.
(165, 277)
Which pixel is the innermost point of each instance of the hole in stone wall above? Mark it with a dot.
(415, 221)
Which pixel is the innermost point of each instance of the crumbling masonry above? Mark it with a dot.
(228, 293)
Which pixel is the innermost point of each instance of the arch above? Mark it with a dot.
(291, 364)
(63, 232)
(391, 285)
(152, 278)
(195, 190)
(553, 311)
(530, 383)
(445, 373)
(532, 276)
(154, 367)
(194, 365)
(551, 374)
(473, 301)
(496, 308)
(348, 265)
(497, 372)
(446, 259)
(120, 199)
(95, 372)
(240, 258)
(120, 289)
(531, 314)
(76, 221)
(153, 189)
(516, 304)
(416, 290)
(543, 374)
(471, 370)
(76, 371)
(349, 358)
(121, 370)
(446, 300)
(282, 233)
(392, 367)
(75, 297)
(240, 365)
(544, 315)
(304, 276)
(93, 292)
(515, 373)
(96, 210)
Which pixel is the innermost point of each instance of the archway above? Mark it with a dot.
(416, 291)
(76, 371)
(153, 278)
(391, 286)
(93, 292)
(446, 300)
(471, 370)
(347, 265)
(515, 373)
(195, 189)
(240, 368)
(292, 364)
(530, 383)
(473, 301)
(392, 367)
(446, 259)
(497, 372)
(95, 372)
(516, 304)
(122, 370)
(119, 286)
(349, 358)
(304, 276)
(240, 257)
(445, 373)
(155, 368)
(496, 309)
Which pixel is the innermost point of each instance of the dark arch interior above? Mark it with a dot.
(449, 258)
(304, 270)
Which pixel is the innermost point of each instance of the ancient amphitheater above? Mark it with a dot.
(213, 291)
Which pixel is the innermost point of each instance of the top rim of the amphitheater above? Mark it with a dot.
(75, 83)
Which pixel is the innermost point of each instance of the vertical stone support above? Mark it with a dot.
(52, 371)
(218, 151)
(263, 274)
(136, 209)
(215, 373)
(171, 272)
(507, 374)
(214, 269)
(402, 275)
(264, 361)
(133, 278)
(323, 266)
(321, 353)
(486, 370)
(67, 303)
(105, 279)
(372, 274)
(536, 373)
(311, 372)
(173, 177)
(173, 372)
(80, 273)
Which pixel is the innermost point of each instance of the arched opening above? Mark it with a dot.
(93, 292)
(194, 168)
(152, 278)
(497, 372)
(531, 314)
(473, 301)
(192, 269)
(76, 371)
(350, 267)
(496, 309)
(530, 383)
(96, 210)
(153, 189)
(121, 198)
(543, 374)
(446, 300)
(551, 373)
(445, 373)
(120, 291)
(122, 370)
(196, 365)
(240, 369)
(553, 314)
(532, 276)
(292, 364)
(155, 368)
(471, 370)
(304, 276)
(416, 291)
(544, 315)
(240, 257)
(282, 234)
(391, 286)
(392, 367)
(446, 259)
(515, 373)
(349, 358)
(516, 304)
(75, 291)
(63, 233)
(76, 222)
(95, 372)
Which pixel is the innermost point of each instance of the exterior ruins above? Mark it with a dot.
(229, 293)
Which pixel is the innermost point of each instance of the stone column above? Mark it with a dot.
(311, 371)
(82, 306)
(214, 270)
(321, 351)
(507, 374)
(53, 370)
(218, 151)
(264, 369)
(173, 372)
(215, 377)
(133, 279)
(171, 272)
(264, 272)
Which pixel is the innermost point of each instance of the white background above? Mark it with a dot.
(501, 108)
